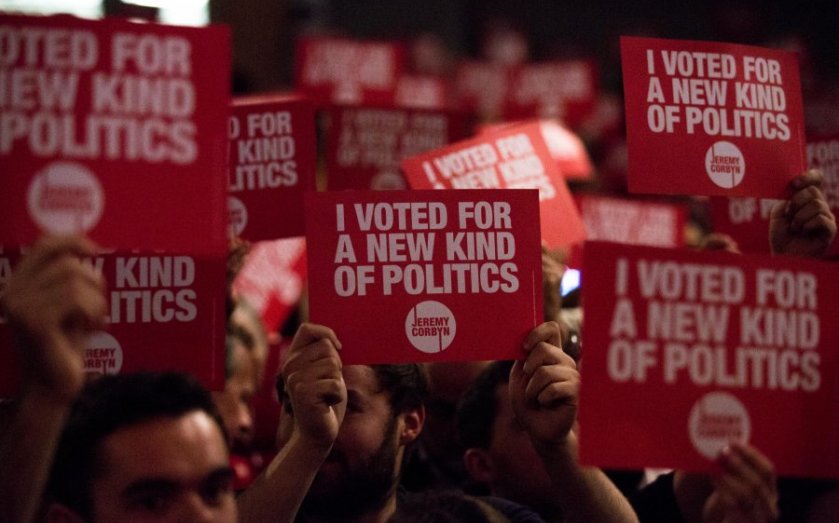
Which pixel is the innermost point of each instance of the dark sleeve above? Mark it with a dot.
(656, 502)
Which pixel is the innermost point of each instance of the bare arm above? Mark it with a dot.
(54, 302)
(317, 397)
(544, 390)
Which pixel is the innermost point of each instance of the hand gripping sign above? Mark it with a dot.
(104, 131)
(513, 157)
(711, 118)
(412, 276)
(687, 351)
(165, 312)
(271, 165)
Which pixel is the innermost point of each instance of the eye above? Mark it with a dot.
(217, 489)
(151, 502)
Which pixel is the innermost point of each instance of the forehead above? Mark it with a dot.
(180, 449)
(361, 379)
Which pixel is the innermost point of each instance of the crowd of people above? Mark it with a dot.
(351, 441)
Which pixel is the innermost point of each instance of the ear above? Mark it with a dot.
(411, 426)
(479, 465)
(58, 513)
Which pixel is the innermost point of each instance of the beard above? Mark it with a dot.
(355, 489)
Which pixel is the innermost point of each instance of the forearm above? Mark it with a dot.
(276, 495)
(586, 494)
(26, 452)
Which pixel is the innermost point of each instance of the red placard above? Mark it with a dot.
(514, 157)
(272, 279)
(635, 222)
(272, 163)
(566, 90)
(422, 92)
(113, 129)
(711, 118)
(740, 346)
(481, 87)
(165, 312)
(746, 220)
(566, 148)
(366, 144)
(823, 154)
(411, 276)
(344, 71)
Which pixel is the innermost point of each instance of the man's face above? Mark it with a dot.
(361, 472)
(519, 474)
(234, 402)
(165, 470)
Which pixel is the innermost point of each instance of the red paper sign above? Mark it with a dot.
(566, 148)
(513, 157)
(366, 144)
(114, 130)
(272, 163)
(481, 87)
(422, 92)
(165, 312)
(711, 118)
(272, 279)
(741, 348)
(344, 71)
(631, 221)
(746, 220)
(823, 154)
(566, 90)
(411, 276)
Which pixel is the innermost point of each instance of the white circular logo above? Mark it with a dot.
(237, 216)
(65, 198)
(430, 327)
(715, 420)
(103, 354)
(725, 165)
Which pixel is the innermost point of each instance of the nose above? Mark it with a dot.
(196, 510)
(244, 424)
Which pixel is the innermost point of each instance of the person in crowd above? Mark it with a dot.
(343, 434)
(347, 428)
(802, 225)
(125, 448)
(234, 401)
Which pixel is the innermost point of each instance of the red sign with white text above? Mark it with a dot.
(823, 154)
(272, 163)
(343, 71)
(711, 118)
(566, 90)
(414, 276)
(366, 144)
(514, 157)
(481, 87)
(111, 129)
(422, 92)
(635, 222)
(165, 312)
(566, 148)
(746, 220)
(740, 346)
(272, 279)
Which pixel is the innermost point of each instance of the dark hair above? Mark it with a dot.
(106, 405)
(477, 408)
(405, 385)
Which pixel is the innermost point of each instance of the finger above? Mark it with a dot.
(310, 332)
(744, 488)
(320, 351)
(552, 385)
(545, 353)
(755, 460)
(811, 177)
(820, 224)
(548, 332)
(50, 247)
(802, 199)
